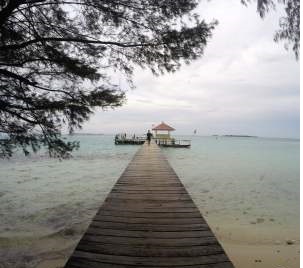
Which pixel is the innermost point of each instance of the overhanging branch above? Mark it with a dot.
(77, 40)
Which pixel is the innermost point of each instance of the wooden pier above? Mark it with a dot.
(148, 220)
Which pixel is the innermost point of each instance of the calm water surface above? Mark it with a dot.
(254, 176)
(248, 183)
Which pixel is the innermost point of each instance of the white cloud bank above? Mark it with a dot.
(245, 84)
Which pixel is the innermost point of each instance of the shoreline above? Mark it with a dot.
(248, 246)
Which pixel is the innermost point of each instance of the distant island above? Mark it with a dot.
(91, 134)
(236, 136)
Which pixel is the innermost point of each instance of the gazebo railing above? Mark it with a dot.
(173, 142)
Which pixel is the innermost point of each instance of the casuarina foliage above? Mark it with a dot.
(56, 57)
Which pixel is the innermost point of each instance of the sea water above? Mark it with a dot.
(256, 176)
(246, 188)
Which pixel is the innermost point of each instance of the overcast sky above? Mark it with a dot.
(245, 84)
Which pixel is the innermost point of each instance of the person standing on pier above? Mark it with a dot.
(149, 136)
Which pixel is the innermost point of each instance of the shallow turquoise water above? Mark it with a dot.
(46, 204)
(256, 177)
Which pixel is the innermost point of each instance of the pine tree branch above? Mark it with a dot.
(77, 40)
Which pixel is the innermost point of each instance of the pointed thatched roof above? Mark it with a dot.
(163, 126)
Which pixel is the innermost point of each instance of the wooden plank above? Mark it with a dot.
(150, 227)
(86, 263)
(169, 221)
(140, 209)
(145, 214)
(159, 242)
(126, 250)
(151, 261)
(144, 203)
(152, 234)
(148, 220)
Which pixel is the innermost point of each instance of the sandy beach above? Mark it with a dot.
(254, 245)
(247, 248)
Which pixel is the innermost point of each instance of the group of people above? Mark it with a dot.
(149, 136)
(120, 136)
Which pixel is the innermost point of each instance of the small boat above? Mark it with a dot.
(176, 145)
(173, 143)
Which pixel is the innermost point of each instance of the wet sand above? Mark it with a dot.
(242, 255)
(258, 245)
(263, 256)
(248, 246)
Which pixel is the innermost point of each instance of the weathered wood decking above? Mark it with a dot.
(148, 220)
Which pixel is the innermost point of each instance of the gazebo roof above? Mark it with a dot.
(163, 126)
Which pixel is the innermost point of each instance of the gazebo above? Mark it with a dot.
(162, 131)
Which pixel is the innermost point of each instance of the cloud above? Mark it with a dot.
(245, 83)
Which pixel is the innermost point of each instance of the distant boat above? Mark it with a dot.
(195, 131)
(86, 134)
(240, 136)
